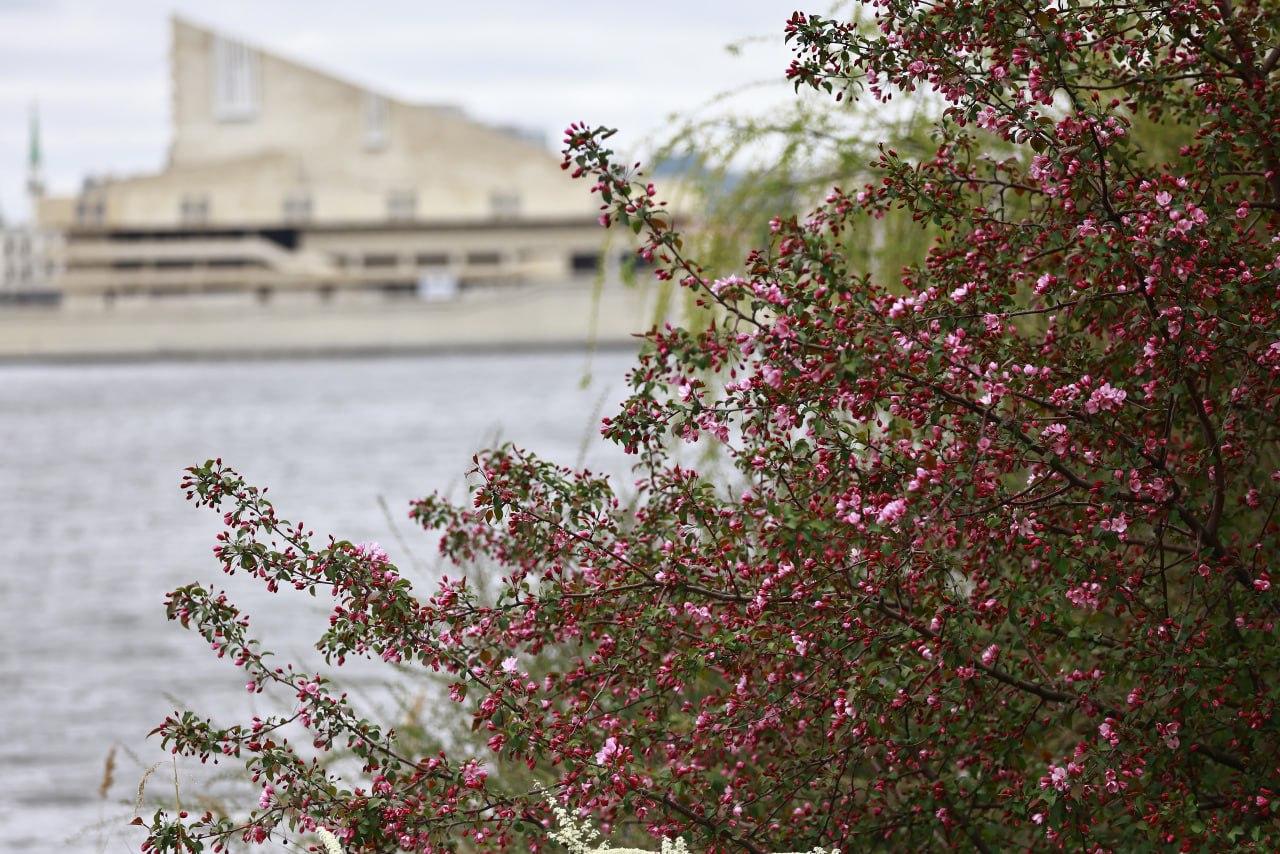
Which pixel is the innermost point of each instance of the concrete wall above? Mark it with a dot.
(567, 315)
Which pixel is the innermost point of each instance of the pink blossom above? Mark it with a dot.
(371, 552)
(892, 512)
(719, 285)
(1057, 778)
(474, 775)
(609, 752)
(784, 417)
(1116, 525)
(801, 645)
(1057, 437)
(1084, 596)
(1105, 398)
(772, 375)
(1169, 732)
(990, 655)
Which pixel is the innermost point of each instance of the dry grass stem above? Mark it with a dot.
(108, 773)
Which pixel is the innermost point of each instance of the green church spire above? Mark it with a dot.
(35, 157)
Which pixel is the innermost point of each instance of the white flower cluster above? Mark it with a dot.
(580, 838)
(330, 842)
(576, 838)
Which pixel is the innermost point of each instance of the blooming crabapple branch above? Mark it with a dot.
(1046, 694)
(1200, 529)
(627, 202)
(632, 565)
(1212, 443)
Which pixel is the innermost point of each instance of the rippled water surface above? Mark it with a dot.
(94, 531)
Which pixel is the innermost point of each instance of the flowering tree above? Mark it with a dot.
(992, 567)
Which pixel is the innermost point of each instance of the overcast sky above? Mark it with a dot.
(98, 69)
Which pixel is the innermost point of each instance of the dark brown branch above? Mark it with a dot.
(709, 825)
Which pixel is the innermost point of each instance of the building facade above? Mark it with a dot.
(28, 269)
(282, 179)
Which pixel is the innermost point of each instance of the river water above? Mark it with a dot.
(94, 531)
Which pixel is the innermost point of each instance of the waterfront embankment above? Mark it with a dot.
(569, 315)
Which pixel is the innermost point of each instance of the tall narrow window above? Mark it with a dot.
(375, 121)
(235, 81)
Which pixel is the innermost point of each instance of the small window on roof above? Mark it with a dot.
(505, 204)
(402, 205)
(194, 209)
(297, 206)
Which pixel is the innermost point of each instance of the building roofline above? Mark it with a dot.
(176, 19)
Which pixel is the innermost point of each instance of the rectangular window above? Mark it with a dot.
(402, 205)
(484, 258)
(583, 263)
(236, 83)
(375, 122)
(505, 204)
(91, 210)
(194, 209)
(297, 207)
(432, 259)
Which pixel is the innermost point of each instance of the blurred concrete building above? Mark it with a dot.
(28, 270)
(284, 179)
(28, 254)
